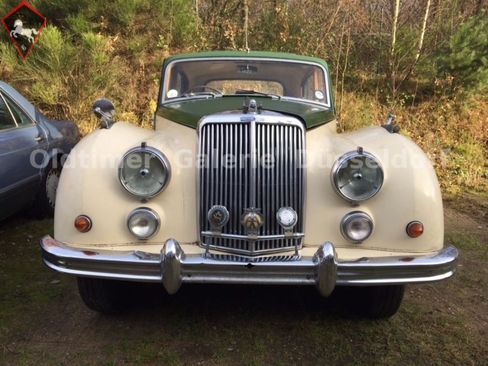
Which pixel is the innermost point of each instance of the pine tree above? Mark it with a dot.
(464, 62)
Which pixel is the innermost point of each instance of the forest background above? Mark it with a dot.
(425, 60)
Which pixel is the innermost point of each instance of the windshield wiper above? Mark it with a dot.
(250, 91)
(203, 93)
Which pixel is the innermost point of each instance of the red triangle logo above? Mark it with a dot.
(24, 25)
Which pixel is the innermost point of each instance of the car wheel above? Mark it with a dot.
(377, 301)
(45, 200)
(104, 296)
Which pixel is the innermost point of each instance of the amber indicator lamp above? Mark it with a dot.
(415, 229)
(83, 223)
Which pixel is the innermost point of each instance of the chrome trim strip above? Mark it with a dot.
(173, 267)
(242, 252)
(259, 237)
(253, 149)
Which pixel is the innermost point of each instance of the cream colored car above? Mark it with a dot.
(244, 180)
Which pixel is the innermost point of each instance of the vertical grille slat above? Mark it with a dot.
(232, 176)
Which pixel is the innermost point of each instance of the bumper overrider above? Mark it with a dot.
(173, 267)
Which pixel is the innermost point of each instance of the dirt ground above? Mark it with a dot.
(466, 219)
(227, 325)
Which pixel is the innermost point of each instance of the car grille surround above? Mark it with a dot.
(251, 164)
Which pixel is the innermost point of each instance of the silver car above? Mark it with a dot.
(32, 150)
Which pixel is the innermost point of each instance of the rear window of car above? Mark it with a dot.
(6, 119)
(19, 115)
(233, 86)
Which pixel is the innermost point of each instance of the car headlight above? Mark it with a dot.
(357, 176)
(144, 171)
(143, 222)
(356, 226)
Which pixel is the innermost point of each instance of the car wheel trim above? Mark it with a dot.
(52, 180)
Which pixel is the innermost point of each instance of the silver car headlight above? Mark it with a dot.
(357, 176)
(144, 171)
(356, 226)
(143, 222)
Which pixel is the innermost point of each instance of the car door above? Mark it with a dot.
(22, 149)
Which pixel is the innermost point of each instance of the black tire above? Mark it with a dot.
(45, 201)
(377, 302)
(103, 296)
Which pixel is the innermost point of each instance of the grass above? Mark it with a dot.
(43, 321)
(470, 243)
(21, 276)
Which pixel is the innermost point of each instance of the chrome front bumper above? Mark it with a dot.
(173, 267)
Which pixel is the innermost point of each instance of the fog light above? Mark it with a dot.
(83, 223)
(356, 226)
(415, 229)
(287, 217)
(143, 223)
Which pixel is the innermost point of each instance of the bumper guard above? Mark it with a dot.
(173, 267)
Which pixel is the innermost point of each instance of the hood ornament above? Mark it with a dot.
(251, 106)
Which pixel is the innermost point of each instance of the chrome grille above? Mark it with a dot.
(263, 259)
(251, 165)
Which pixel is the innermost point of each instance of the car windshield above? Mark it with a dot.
(275, 78)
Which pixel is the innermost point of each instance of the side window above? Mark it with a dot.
(6, 119)
(308, 88)
(19, 115)
(177, 83)
(313, 86)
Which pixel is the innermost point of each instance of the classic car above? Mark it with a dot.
(245, 180)
(32, 150)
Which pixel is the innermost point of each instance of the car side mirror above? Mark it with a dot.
(105, 110)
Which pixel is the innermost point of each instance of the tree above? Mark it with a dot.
(463, 62)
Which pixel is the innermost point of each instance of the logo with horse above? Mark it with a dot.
(24, 24)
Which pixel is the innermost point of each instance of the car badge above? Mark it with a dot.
(24, 25)
(252, 220)
(218, 216)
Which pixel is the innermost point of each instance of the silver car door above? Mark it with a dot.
(21, 157)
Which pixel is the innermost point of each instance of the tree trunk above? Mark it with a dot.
(393, 65)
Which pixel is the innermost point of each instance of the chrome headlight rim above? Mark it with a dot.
(151, 215)
(154, 153)
(347, 158)
(347, 220)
